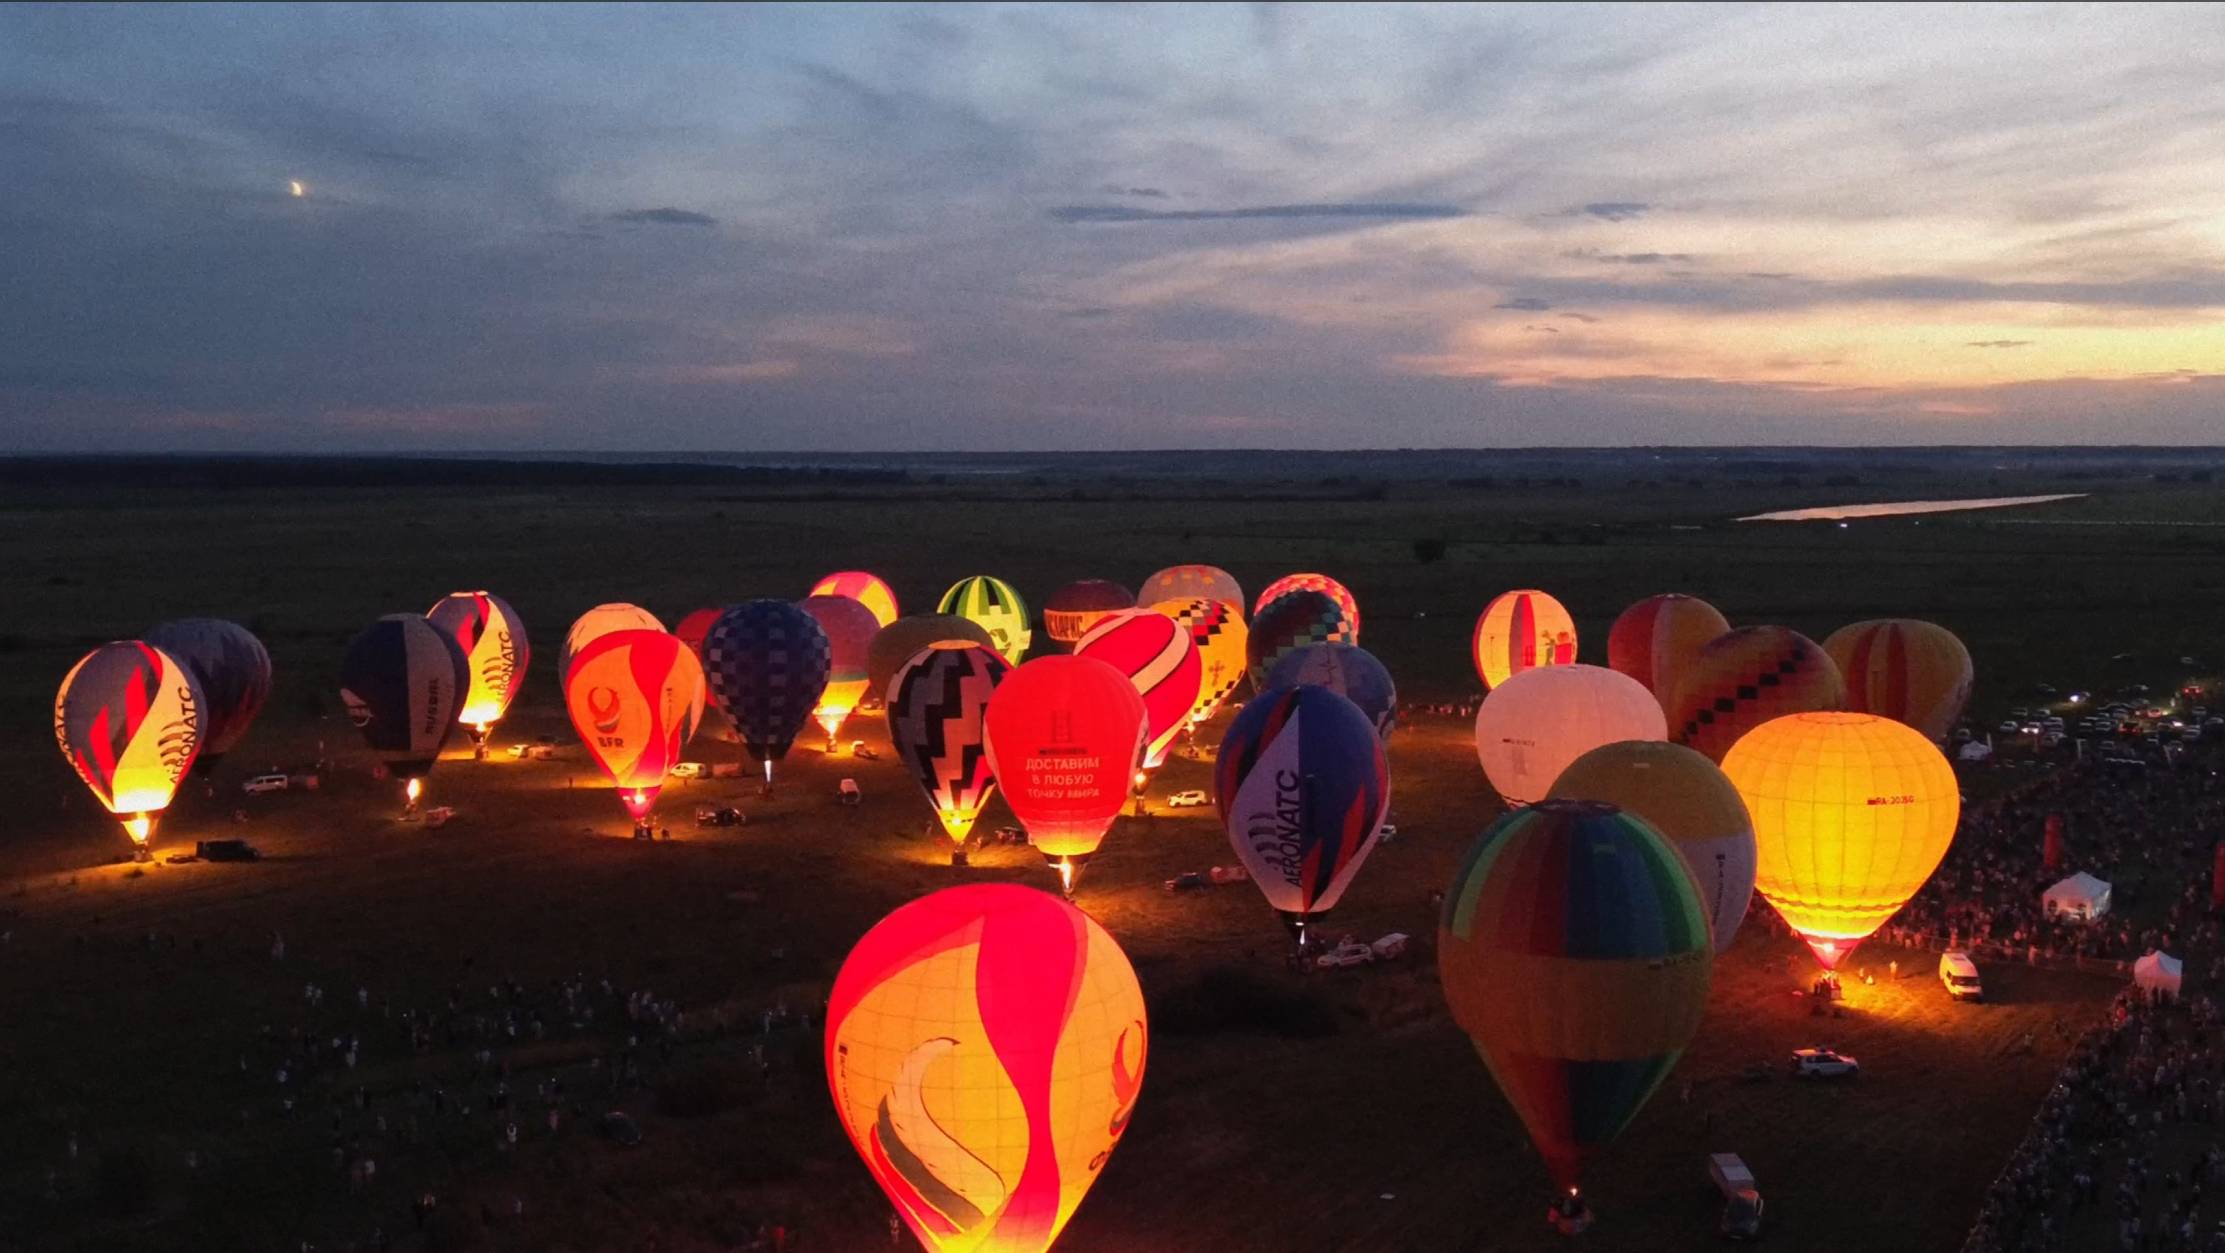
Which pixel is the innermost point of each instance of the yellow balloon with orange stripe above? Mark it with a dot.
(1910, 671)
(636, 698)
(1519, 631)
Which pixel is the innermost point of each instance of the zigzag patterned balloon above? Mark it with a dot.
(935, 710)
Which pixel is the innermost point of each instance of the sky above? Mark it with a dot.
(760, 227)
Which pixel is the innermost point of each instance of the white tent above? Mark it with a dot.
(2157, 974)
(2081, 897)
(1974, 751)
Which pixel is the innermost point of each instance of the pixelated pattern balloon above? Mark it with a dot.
(402, 680)
(1192, 583)
(1158, 656)
(1746, 677)
(1291, 622)
(985, 1048)
(766, 662)
(1654, 639)
(128, 719)
(495, 649)
(1521, 631)
(1346, 669)
(1690, 801)
(1336, 591)
(1302, 786)
(937, 706)
(1910, 671)
(233, 670)
(996, 606)
(1217, 630)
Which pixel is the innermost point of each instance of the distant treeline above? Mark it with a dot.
(283, 472)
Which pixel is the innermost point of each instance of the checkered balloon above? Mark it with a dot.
(767, 663)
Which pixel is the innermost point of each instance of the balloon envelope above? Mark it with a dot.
(636, 698)
(1909, 671)
(902, 639)
(1746, 677)
(1574, 953)
(233, 670)
(996, 607)
(615, 616)
(1520, 631)
(985, 1047)
(1218, 632)
(1158, 656)
(766, 663)
(937, 706)
(1192, 583)
(128, 719)
(403, 681)
(1336, 591)
(692, 628)
(1686, 798)
(1291, 622)
(495, 650)
(1653, 640)
(850, 628)
(1852, 813)
(1078, 606)
(1346, 669)
(1065, 734)
(1302, 786)
(1530, 727)
(866, 589)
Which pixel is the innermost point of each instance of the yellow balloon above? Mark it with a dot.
(1519, 631)
(1852, 812)
(1682, 795)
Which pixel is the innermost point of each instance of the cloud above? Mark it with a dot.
(1999, 343)
(1610, 210)
(1144, 193)
(1120, 213)
(1627, 258)
(1579, 317)
(667, 216)
(1528, 304)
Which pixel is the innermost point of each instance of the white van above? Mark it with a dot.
(264, 783)
(1959, 975)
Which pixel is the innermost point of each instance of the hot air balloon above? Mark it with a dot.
(1158, 656)
(635, 697)
(985, 1048)
(1690, 802)
(1302, 786)
(1291, 622)
(850, 628)
(902, 639)
(1852, 812)
(1065, 734)
(1520, 631)
(936, 707)
(1531, 726)
(1654, 639)
(766, 663)
(1346, 669)
(128, 718)
(492, 638)
(1910, 671)
(1217, 630)
(615, 616)
(1192, 583)
(866, 589)
(1078, 606)
(1336, 591)
(996, 607)
(402, 680)
(1574, 952)
(692, 628)
(1746, 677)
(233, 670)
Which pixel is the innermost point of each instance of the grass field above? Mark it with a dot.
(1348, 1115)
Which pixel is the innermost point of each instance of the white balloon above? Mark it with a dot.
(1531, 726)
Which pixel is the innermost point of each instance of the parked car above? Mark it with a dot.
(439, 815)
(1188, 800)
(1008, 835)
(264, 783)
(1823, 1064)
(1959, 975)
(690, 770)
(542, 752)
(1742, 1204)
(719, 816)
(1386, 833)
(1187, 881)
(847, 792)
(1391, 947)
(225, 850)
(1344, 955)
(518, 750)
(858, 749)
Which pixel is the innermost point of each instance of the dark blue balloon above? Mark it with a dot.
(1302, 785)
(766, 662)
(234, 672)
(1346, 669)
(403, 681)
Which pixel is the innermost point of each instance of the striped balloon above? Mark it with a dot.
(866, 589)
(615, 616)
(1910, 671)
(128, 719)
(766, 661)
(1336, 591)
(1302, 785)
(935, 710)
(996, 607)
(403, 681)
(1519, 631)
(1291, 622)
(233, 669)
(1654, 639)
(1574, 951)
(1192, 583)
(1218, 630)
(1158, 656)
(1746, 677)
(495, 649)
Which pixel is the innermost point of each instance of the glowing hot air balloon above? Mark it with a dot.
(850, 628)
(1530, 727)
(1336, 591)
(402, 681)
(692, 628)
(492, 638)
(1078, 606)
(901, 640)
(1065, 734)
(635, 697)
(936, 707)
(766, 663)
(985, 1048)
(1157, 655)
(1521, 631)
(1654, 639)
(1743, 679)
(1302, 785)
(1691, 803)
(1909, 671)
(1291, 622)
(233, 670)
(128, 718)
(1348, 670)
(866, 589)
(1852, 813)
(1574, 952)
(1192, 583)
(616, 616)
(1217, 630)
(996, 607)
